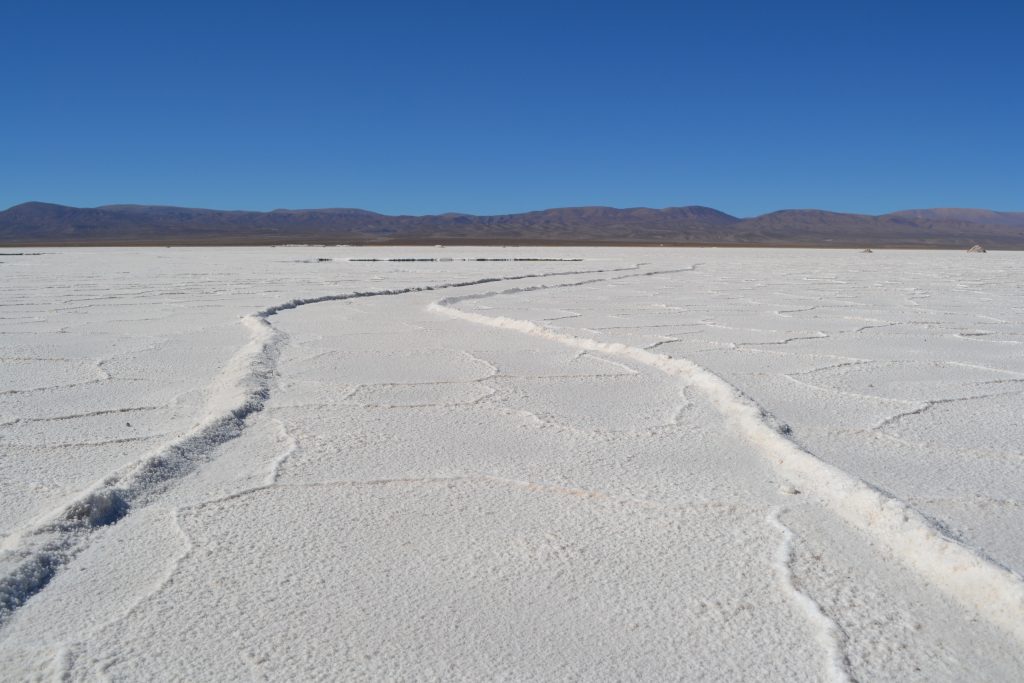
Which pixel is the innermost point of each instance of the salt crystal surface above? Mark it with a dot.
(747, 464)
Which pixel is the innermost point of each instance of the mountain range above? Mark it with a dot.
(42, 224)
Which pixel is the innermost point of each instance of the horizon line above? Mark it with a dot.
(512, 213)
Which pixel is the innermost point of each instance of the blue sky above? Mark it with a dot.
(489, 107)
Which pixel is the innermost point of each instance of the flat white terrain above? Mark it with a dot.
(661, 464)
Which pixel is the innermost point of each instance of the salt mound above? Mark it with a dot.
(977, 249)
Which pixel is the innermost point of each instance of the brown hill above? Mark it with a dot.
(37, 223)
(966, 216)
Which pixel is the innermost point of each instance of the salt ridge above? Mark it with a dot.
(989, 589)
(32, 556)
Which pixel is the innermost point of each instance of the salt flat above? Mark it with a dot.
(282, 463)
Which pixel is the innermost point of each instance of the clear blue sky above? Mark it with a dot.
(489, 107)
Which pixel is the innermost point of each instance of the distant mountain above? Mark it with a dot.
(899, 229)
(982, 216)
(40, 224)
